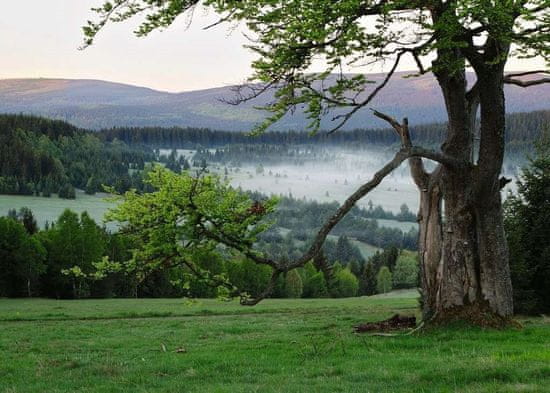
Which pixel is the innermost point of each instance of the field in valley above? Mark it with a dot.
(172, 345)
(49, 209)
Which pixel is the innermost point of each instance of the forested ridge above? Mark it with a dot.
(40, 156)
(59, 260)
(521, 130)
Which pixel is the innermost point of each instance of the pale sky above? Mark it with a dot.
(39, 39)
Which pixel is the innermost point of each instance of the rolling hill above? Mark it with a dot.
(98, 104)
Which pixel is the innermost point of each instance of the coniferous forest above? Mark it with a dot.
(42, 157)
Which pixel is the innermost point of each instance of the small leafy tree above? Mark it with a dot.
(26, 217)
(346, 284)
(92, 186)
(384, 280)
(405, 273)
(21, 259)
(188, 222)
(316, 286)
(367, 283)
(67, 191)
(293, 284)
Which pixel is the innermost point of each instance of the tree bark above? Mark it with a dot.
(463, 252)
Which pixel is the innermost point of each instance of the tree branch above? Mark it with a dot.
(373, 94)
(512, 78)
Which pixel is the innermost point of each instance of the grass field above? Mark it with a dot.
(49, 209)
(170, 345)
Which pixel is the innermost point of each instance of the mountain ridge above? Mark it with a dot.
(96, 104)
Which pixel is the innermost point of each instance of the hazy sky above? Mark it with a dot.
(39, 38)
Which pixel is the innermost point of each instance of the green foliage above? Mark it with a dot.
(293, 284)
(74, 244)
(527, 215)
(248, 277)
(67, 191)
(384, 280)
(387, 257)
(188, 220)
(45, 156)
(405, 273)
(289, 36)
(347, 253)
(21, 259)
(26, 217)
(314, 283)
(367, 283)
(345, 283)
(92, 185)
(316, 286)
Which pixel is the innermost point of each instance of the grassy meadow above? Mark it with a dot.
(49, 209)
(172, 345)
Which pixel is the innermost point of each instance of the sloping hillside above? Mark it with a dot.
(99, 104)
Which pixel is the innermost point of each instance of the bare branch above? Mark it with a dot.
(247, 301)
(394, 123)
(255, 90)
(512, 78)
(365, 102)
(417, 151)
(524, 73)
(220, 21)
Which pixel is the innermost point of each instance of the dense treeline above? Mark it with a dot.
(304, 218)
(59, 262)
(521, 130)
(527, 224)
(40, 156)
(266, 154)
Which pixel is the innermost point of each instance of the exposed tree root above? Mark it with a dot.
(394, 323)
(473, 315)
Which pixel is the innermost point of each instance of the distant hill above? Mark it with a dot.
(98, 104)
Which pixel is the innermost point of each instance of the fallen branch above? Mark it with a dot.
(394, 323)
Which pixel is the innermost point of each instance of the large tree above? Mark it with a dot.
(463, 250)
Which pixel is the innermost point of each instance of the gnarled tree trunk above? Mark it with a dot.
(463, 252)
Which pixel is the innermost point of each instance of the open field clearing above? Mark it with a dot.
(170, 345)
(49, 209)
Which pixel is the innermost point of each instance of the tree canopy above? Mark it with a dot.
(464, 258)
(290, 37)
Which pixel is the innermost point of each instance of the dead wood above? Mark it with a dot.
(394, 323)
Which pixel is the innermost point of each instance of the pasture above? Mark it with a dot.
(49, 209)
(173, 345)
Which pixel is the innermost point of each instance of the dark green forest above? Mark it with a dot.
(40, 156)
(57, 261)
(521, 130)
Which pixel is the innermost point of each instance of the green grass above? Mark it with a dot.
(405, 226)
(49, 209)
(130, 345)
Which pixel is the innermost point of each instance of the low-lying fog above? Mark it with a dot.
(332, 177)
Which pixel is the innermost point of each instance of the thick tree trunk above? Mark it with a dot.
(463, 252)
